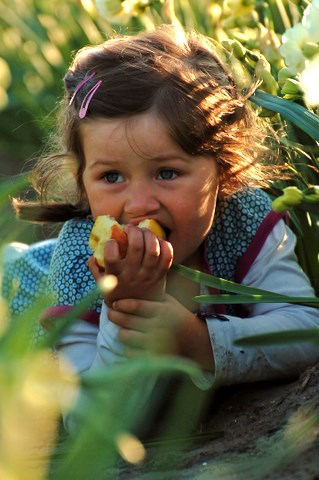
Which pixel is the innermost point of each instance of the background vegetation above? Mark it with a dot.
(276, 42)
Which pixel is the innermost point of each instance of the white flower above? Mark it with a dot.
(293, 41)
(310, 20)
(295, 38)
(309, 81)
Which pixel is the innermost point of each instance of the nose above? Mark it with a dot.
(141, 200)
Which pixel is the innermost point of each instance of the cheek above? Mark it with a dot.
(194, 219)
(101, 204)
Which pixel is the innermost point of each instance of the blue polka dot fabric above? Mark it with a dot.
(70, 278)
(25, 275)
(24, 278)
(237, 219)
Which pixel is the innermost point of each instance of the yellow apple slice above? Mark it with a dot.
(153, 226)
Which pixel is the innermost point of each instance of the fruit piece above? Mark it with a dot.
(153, 226)
(106, 227)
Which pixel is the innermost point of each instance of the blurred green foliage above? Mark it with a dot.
(37, 38)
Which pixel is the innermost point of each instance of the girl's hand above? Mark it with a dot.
(165, 327)
(142, 273)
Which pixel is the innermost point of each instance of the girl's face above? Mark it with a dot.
(134, 170)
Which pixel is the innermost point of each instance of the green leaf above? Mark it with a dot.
(297, 114)
(220, 283)
(225, 299)
(244, 294)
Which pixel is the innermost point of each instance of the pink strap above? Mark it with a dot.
(256, 245)
(54, 313)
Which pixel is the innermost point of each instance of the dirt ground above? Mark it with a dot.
(260, 431)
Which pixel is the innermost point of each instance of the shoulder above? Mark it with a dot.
(72, 241)
(70, 278)
(76, 230)
(246, 207)
(237, 219)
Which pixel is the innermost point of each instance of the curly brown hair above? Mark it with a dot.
(175, 74)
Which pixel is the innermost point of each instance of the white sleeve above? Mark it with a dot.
(275, 269)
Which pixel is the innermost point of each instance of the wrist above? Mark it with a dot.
(194, 341)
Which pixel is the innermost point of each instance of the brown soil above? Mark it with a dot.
(259, 431)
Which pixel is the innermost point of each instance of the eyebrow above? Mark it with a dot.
(158, 158)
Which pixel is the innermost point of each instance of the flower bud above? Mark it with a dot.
(262, 72)
(234, 47)
(291, 196)
(284, 74)
(310, 49)
(291, 87)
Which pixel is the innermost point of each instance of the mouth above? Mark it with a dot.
(167, 232)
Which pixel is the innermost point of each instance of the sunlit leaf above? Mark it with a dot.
(297, 114)
(220, 283)
(224, 299)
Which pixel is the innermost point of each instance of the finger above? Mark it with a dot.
(166, 258)
(96, 271)
(132, 338)
(137, 343)
(126, 320)
(151, 242)
(132, 353)
(135, 248)
(137, 307)
(112, 257)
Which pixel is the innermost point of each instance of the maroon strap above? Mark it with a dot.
(218, 309)
(256, 245)
(251, 253)
(53, 313)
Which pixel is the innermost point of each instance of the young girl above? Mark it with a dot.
(153, 126)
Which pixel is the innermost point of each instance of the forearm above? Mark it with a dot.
(195, 343)
(240, 364)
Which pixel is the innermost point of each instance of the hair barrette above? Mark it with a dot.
(88, 97)
(83, 82)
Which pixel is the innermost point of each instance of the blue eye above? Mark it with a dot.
(113, 177)
(168, 174)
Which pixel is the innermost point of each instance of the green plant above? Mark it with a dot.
(34, 52)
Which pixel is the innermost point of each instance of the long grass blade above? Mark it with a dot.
(225, 299)
(297, 114)
(220, 283)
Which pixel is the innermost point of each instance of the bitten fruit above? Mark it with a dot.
(106, 227)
